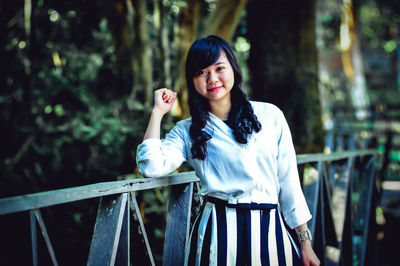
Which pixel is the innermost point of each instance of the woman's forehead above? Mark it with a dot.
(222, 59)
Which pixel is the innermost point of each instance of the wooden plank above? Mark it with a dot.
(136, 209)
(60, 196)
(336, 156)
(178, 223)
(33, 238)
(46, 237)
(107, 230)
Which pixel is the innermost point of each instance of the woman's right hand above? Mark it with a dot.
(164, 99)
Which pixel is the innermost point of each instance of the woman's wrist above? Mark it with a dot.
(305, 243)
(304, 234)
(157, 113)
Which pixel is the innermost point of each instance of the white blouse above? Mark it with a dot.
(264, 170)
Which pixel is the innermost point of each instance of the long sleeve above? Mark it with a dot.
(291, 197)
(156, 157)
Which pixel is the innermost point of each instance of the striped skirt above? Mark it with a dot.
(240, 234)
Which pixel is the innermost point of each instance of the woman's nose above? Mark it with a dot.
(212, 77)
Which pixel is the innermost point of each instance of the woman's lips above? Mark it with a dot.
(214, 89)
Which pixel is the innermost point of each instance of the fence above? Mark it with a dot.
(339, 189)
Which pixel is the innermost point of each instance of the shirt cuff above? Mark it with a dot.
(295, 219)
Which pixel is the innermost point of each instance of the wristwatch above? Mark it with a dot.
(304, 235)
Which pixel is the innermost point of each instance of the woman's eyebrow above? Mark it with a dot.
(219, 63)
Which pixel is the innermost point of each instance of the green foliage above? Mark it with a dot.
(64, 116)
(380, 22)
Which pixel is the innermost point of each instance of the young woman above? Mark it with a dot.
(243, 153)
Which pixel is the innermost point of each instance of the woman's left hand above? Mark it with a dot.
(308, 255)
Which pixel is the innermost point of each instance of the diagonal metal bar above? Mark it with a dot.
(136, 209)
(46, 236)
(34, 238)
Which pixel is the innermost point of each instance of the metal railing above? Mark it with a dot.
(339, 189)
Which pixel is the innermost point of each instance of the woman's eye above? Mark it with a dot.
(220, 68)
(201, 73)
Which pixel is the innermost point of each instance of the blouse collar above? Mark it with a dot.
(218, 124)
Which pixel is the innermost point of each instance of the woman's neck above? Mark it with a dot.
(221, 108)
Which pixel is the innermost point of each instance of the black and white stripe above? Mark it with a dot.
(244, 234)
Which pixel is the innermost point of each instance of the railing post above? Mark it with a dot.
(107, 242)
(34, 238)
(178, 223)
(123, 251)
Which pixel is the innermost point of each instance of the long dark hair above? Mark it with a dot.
(241, 118)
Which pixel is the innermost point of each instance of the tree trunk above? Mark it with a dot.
(283, 65)
(120, 22)
(127, 20)
(160, 18)
(142, 56)
(352, 60)
(224, 19)
(184, 38)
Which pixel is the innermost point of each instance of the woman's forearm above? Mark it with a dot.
(154, 126)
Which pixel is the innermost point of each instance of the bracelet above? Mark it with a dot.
(304, 235)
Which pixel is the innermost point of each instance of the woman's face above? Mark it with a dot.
(215, 82)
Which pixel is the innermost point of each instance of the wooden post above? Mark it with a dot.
(178, 223)
(123, 252)
(34, 238)
(106, 237)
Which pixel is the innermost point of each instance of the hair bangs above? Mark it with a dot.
(204, 52)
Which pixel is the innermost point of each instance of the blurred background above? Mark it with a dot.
(77, 81)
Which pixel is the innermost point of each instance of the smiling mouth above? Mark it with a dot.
(214, 89)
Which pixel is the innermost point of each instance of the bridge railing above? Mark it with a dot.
(339, 189)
